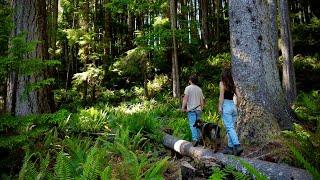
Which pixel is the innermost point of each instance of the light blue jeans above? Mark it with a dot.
(229, 117)
(193, 116)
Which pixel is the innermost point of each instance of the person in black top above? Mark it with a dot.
(228, 110)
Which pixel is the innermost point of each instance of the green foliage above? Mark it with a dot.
(312, 170)
(32, 170)
(307, 69)
(91, 120)
(62, 167)
(307, 143)
(306, 37)
(6, 25)
(254, 172)
(307, 108)
(217, 174)
(227, 172)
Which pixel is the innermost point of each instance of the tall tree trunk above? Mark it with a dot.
(30, 18)
(107, 36)
(175, 74)
(218, 15)
(253, 37)
(54, 27)
(44, 40)
(204, 22)
(130, 30)
(288, 74)
(85, 26)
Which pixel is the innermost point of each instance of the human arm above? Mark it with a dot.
(221, 96)
(184, 103)
(202, 102)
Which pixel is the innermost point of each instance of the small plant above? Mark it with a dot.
(312, 170)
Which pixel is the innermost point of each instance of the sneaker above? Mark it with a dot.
(228, 150)
(237, 150)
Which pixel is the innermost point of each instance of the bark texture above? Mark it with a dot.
(175, 73)
(253, 40)
(288, 74)
(28, 18)
(204, 22)
(106, 38)
(271, 170)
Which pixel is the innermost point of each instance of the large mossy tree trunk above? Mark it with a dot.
(288, 74)
(253, 37)
(28, 18)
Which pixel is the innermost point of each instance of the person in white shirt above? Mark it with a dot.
(193, 103)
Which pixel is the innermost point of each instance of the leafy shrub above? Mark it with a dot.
(307, 69)
(307, 108)
(306, 143)
(91, 120)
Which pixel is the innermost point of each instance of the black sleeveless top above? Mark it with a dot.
(228, 95)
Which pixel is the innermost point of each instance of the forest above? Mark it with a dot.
(93, 89)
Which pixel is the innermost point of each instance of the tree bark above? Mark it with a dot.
(204, 22)
(85, 26)
(130, 29)
(271, 170)
(44, 43)
(218, 15)
(106, 38)
(288, 74)
(28, 17)
(175, 73)
(54, 26)
(253, 37)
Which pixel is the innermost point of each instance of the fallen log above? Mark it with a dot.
(269, 169)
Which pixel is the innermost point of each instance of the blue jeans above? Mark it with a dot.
(193, 116)
(229, 117)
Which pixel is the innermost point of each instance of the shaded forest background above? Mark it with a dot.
(103, 78)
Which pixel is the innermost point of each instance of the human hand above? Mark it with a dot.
(220, 110)
(183, 110)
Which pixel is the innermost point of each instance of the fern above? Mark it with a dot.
(62, 167)
(312, 170)
(93, 165)
(28, 170)
(106, 173)
(254, 172)
(217, 174)
(44, 163)
(157, 169)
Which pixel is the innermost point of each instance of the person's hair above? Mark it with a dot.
(194, 79)
(227, 80)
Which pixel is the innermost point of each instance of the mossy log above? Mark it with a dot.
(269, 169)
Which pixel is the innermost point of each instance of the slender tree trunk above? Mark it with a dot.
(54, 27)
(175, 74)
(85, 26)
(28, 17)
(130, 30)
(253, 37)
(218, 15)
(107, 36)
(204, 22)
(288, 74)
